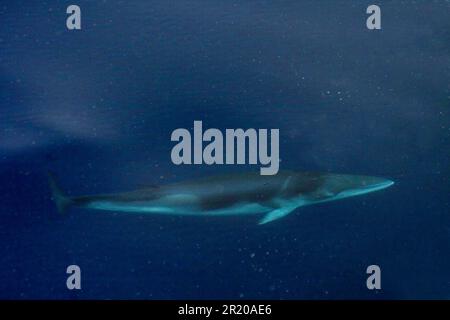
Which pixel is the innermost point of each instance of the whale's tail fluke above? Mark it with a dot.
(62, 201)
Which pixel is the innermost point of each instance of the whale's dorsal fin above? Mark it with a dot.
(276, 214)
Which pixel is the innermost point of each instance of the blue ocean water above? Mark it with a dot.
(97, 107)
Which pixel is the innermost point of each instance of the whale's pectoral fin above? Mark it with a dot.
(276, 214)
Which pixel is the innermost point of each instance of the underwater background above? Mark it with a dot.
(97, 106)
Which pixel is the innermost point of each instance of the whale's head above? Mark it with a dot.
(338, 186)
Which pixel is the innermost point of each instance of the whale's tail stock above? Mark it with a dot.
(62, 201)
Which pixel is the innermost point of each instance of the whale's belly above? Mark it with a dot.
(239, 209)
(171, 208)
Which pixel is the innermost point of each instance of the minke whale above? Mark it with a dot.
(271, 197)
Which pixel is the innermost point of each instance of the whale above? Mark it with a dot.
(249, 193)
